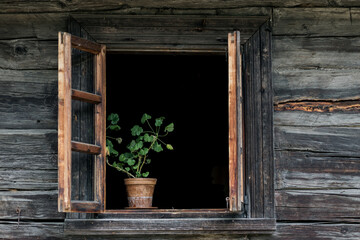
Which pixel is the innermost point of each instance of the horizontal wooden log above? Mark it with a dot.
(28, 99)
(12, 179)
(28, 54)
(32, 204)
(318, 205)
(40, 26)
(314, 231)
(31, 230)
(316, 21)
(85, 96)
(340, 141)
(316, 53)
(108, 5)
(85, 148)
(27, 142)
(307, 170)
(165, 226)
(315, 119)
(27, 162)
(315, 84)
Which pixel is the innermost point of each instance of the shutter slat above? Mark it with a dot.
(85, 96)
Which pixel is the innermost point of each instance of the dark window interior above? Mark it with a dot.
(191, 92)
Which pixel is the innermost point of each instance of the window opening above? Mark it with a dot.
(192, 92)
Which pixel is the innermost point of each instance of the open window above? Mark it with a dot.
(92, 105)
(245, 120)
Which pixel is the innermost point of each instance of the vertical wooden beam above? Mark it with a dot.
(64, 122)
(234, 188)
(100, 127)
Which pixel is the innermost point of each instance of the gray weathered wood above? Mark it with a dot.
(308, 170)
(28, 54)
(27, 142)
(31, 230)
(164, 226)
(318, 205)
(318, 119)
(315, 231)
(33, 205)
(11, 179)
(316, 21)
(108, 5)
(316, 53)
(315, 84)
(340, 141)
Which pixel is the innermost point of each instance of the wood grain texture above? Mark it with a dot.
(296, 84)
(319, 106)
(28, 54)
(316, 22)
(316, 53)
(113, 5)
(320, 205)
(340, 141)
(85, 96)
(163, 226)
(33, 205)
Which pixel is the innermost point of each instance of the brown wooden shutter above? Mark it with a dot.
(236, 136)
(66, 146)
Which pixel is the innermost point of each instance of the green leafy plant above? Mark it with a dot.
(147, 138)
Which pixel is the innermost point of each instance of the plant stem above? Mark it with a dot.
(120, 169)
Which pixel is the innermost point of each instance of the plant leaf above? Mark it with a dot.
(168, 146)
(131, 162)
(127, 169)
(122, 158)
(145, 174)
(148, 161)
(159, 121)
(136, 130)
(144, 151)
(157, 147)
(169, 128)
(148, 138)
(114, 118)
(145, 117)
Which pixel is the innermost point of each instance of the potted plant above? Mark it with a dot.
(147, 138)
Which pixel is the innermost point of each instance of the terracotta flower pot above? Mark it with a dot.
(140, 192)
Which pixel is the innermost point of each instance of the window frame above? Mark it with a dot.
(256, 221)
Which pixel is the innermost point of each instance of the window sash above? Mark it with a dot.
(65, 145)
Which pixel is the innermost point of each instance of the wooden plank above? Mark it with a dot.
(31, 230)
(100, 129)
(85, 148)
(27, 142)
(113, 5)
(318, 205)
(25, 162)
(12, 179)
(85, 96)
(85, 45)
(235, 204)
(28, 54)
(300, 231)
(316, 84)
(316, 53)
(316, 22)
(161, 226)
(308, 170)
(33, 205)
(64, 122)
(258, 207)
(316, 119)
(85, 206)
(267, 119)
(20, 26)
(339, 141)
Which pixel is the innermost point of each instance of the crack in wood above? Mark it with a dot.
(319, 106)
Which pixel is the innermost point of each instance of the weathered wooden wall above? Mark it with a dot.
(316, 59)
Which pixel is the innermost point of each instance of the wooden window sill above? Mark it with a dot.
(128, 225)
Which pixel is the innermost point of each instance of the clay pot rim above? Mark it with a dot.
(142, 181)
